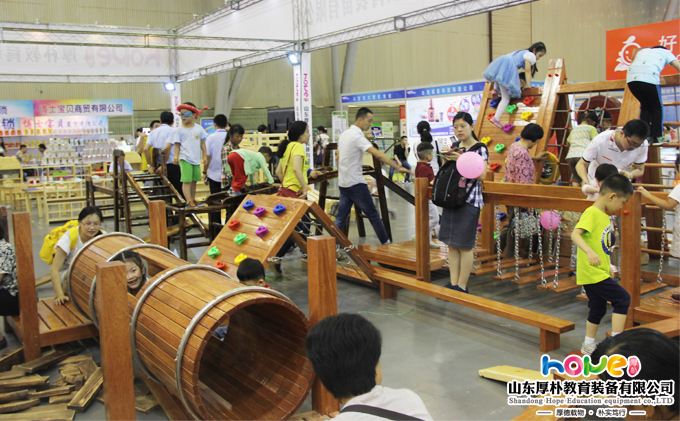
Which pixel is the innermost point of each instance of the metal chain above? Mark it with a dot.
(540, 254)
(531, 239)
(557, 252)
(291, 257)
(474, 257)
(518, 221)
(573, 245)
(497, 211)
(550, 246)
(663, 245)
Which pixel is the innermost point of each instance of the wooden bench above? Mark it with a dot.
(551, 327)
(669, 327)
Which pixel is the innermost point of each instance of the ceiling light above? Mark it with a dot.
(294, 58)
(169, 86)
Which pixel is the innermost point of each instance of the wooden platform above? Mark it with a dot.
(658, 307)
(57, 324)
(403, 255)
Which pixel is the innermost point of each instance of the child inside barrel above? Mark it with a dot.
(250, 273)
(345, 353)
(135, 271)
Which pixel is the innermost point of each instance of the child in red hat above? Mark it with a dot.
(190, 150)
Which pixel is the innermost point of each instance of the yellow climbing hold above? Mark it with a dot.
(526, 116)
(240, 258)
(486, 140)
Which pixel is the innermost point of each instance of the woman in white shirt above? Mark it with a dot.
(643, 78)
(89, 223)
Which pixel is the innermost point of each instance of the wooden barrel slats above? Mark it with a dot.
(259, 371)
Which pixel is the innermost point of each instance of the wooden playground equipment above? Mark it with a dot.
(259, 371)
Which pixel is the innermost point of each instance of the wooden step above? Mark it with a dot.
(651, 286)
(492, 267)
(160, 186)
(564, 285)
(536, 277)
(523, 271)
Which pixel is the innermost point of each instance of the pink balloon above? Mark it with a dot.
(550, 220)
(470, 165)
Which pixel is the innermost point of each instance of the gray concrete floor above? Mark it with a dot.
(430, 346)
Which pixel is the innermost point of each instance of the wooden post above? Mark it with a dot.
(23, 244)
(323, 302)
(114, 336)
(382, 199)
(488, 222)
(422, 229)
(158, 223)
(631, 271)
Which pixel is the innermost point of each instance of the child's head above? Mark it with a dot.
(251, 272)
(533, 133)
(658, 356)
(23, 148)
(220, 121)
(589, 118)
(188, 112)
(321, 129)
(425, 151)
(266, 151)
(236, 133)
(167, 118)
(262, 129)
(615, 191)
(136, 272)
(345, 353)
(603, 171)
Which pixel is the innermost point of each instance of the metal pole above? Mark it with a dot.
(234, 90)
(350, 61)
(337, 78)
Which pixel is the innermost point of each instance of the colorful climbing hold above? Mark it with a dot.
(239, 239)
(485, 140)
(279, 209)
(526, 116)
(249, 204)
(518, 138)
(221, 265)
(499, 148)
(241, 257)
(213, 252)
(508, 127)
(260, 211)
(494, 166)
(511, 108)
(494, 103)
(490, 116)
(528, 100)
(233, 224)
(261, 230)
(500, 215)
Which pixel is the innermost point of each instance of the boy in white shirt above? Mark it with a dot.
(192, 138)
(345, 353)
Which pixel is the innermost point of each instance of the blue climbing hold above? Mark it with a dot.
(248, 205)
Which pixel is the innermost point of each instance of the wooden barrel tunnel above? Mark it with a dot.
(259, 370)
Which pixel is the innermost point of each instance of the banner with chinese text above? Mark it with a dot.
(67, 125)
(622, 42)
(57, 107)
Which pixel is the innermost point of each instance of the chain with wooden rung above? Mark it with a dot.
(659, 279)
(496, 213)
(557, 251)
(518, 222)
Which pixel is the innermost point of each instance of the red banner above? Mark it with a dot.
(622, 42)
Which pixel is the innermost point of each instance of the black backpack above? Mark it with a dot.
(450, 188)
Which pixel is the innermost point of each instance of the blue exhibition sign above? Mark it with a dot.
(445, 90)
(373, 96)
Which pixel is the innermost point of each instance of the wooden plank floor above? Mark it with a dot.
(403, 255)
(58, 324)
(658, 307)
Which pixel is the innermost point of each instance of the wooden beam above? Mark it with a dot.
(23, 244)
(579, 88)
(323, 302)
(630, 249)
(422, 198)
(114, 335)
(158, 223)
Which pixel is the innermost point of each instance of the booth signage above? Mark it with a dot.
(622, 42)
(445, 90)
(373, 96)
(208, 125)
(76, 124)
(57, 107)
(16, 109)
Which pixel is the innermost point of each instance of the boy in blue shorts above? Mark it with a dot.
(595, 238)
(189, 150)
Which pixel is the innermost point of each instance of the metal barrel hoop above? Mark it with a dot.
(93, 287)
(192, 325)
(69, 272)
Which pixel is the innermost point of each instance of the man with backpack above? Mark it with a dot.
(353, 187)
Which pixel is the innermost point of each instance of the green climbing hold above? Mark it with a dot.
(495, 235)
(214, 252)
(511, 108)
(240, 239)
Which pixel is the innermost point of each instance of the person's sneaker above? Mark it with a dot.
(386, 243)
(496, 123)
(494, 94)
(465, 290)
(434, 245)
(588, 349)
(453, 287)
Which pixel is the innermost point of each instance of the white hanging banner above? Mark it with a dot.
(176, 101)
(302, 91)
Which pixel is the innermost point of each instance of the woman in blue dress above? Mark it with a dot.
(504, 72)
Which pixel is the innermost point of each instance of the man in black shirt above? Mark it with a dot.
(400, 153)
